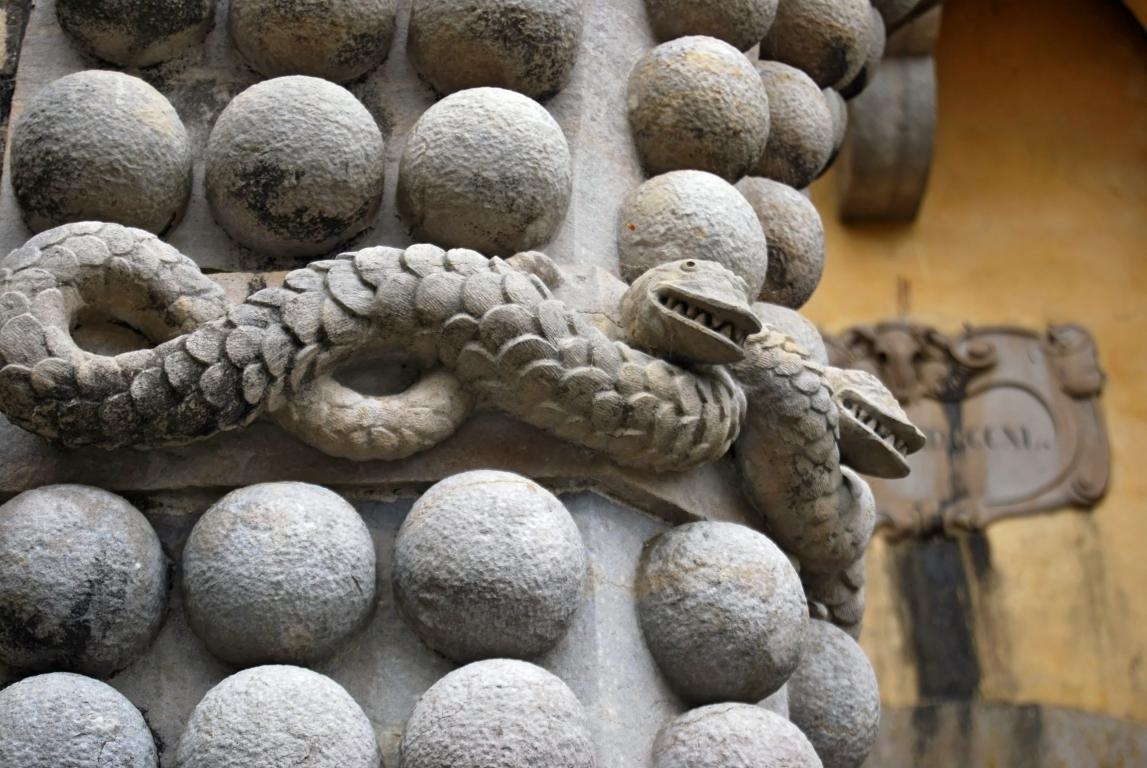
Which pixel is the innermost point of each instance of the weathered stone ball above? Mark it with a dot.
(294, 167)
(691, 215)
(740, 23)
(83, 581)
(489, 564)
(833, 697)
(339, 40)
(827, 39)
(537, 720)
(269, 717)
(796, 240)
(874, 53)
(722, 611)
(839, 111)
(698, 103)
(529, 46)
(802, 128)
(136, 34)
(100, 146)
(278, 572)
(796, 326)
(732, 736)
(61, 720)
(486, 169)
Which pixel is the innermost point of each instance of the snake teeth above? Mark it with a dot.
(869, 420)
(698, 315)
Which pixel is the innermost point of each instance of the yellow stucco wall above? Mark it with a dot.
(1036, 213)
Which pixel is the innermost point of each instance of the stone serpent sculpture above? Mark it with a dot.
(700, 371)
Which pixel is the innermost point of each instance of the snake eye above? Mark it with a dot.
(689, 266)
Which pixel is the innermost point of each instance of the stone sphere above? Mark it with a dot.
(802, 128)
(827, 39)
(136, 34)
(796, 326)
(839, 111)
(722, 611)
(740, 23)
(269, 717)
(61, 720)
(691, 215)
(538, 721)
(833, 697)
(732, 736)
(698, 103)
(339, 40)
(100, 146)
(278, 572)
(489, 564)
(874, 54)
(795, 234)
(294, 167)
(486, 169)
(83, 581)
(528, 46)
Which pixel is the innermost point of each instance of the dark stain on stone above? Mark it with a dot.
(934, 596)
(146, 23)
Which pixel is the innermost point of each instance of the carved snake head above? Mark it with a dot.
(876, 436)
(690, 311)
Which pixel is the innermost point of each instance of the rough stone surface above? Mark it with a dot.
(697, 103)
(529, 46)
(273, 716)
(487, 169)
(691, 215)
(874, 53)
(102, 146)
(278, 572)
(795, 235)
(489, 564)
(294, 166)
(777, 702)
(801, 132)
(538, 721)
(61, 720)
(136, 34)
(83, 581)
(722, 610)
(833, 697)
(339, 40)
(796, 326)
(740, 23)
(733, 736)
(839, 111)
(828, 39)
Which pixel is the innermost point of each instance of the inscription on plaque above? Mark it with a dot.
(1012, 417)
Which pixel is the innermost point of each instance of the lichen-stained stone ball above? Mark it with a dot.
(294, 167)
(796, 326)
(278, 572)
(732, 736)
(697, 103)
(691, 215)
(489, 564)
(529, 46)
(498, 713)
(274, 716)
(722, 611)
(83, 581)
(61, 720)
(136, 34)
(339, 40)
(740, 23)
(801, 127)
(833, 697)
(487, 169)
(100, 146)
(827, 39)
(796, 240)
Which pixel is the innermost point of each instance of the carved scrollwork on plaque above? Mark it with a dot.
(1012, 416)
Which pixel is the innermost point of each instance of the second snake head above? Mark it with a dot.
(690, 311)
(876, 436)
